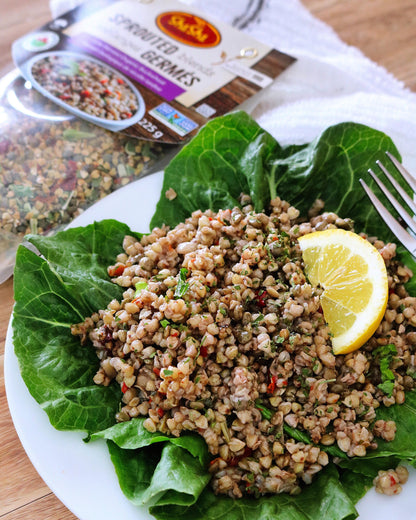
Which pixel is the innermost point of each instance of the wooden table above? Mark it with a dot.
(384, 30)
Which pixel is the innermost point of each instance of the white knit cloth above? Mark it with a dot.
(331, 81)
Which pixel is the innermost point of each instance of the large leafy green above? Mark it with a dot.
(325, 499)
(132, 435)
(175, 477)
(389, 454)
(228, 157)
(330, 167)
(233, 154)
(53, 291)
(69, 281)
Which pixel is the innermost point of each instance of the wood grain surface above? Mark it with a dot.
(385, 32)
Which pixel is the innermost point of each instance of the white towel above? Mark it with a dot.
(331, 81)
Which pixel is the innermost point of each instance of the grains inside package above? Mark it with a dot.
(54, 165)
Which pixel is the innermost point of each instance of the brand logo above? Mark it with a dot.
(189, 29)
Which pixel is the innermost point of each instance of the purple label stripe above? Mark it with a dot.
(127, 65)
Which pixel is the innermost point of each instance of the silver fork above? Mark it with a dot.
(403, 236)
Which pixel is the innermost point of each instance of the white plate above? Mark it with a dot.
(82, 475)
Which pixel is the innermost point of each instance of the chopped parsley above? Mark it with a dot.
(258, 320)
(265, 412)
(182, 285)
(140, 286)
(386, 355)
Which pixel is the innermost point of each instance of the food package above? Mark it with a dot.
(54, 165)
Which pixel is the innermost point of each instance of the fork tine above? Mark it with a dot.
(395, 203)
(411, 181)
(409, 201)
(405, 238)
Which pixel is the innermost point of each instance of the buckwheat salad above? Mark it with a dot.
(200, 352)
(220, 332)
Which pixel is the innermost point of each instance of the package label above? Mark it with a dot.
(156, 70)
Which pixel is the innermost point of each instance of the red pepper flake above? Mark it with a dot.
(156, 371)
(203, 351)
(248, 452)
(124, 387)
(235, 460)
(85, 93)
(116, 270)
(65, 97)
(213, 461)
(160, 412)
(108, 92)
(272, 385)
(392, 480)
(284, 383)
(104, 81)
(128, 114)
(174, 333)
(120, 81)
(261, 299)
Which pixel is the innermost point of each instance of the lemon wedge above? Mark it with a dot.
(354, 278)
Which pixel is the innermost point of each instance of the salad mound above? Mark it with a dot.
(220, 332)
(231, 155)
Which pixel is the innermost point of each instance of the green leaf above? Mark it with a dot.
(228, 157)
(265, 412)
(135, 469)
(404, 415)
(324, 499)
(387, 387)
(339, 157)
(78, 259)
(52, 292)
(177, 477)
(132, 435)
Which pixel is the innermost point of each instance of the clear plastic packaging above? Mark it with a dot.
(54, 165)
